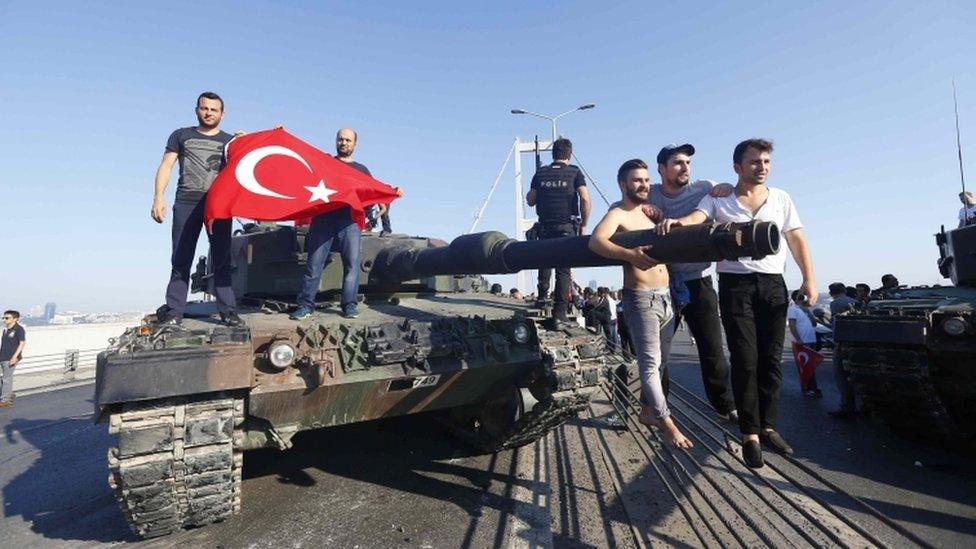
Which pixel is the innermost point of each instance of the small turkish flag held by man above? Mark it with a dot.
(807, 361)
(272, 175)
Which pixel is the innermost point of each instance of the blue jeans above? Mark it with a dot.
(335, 225)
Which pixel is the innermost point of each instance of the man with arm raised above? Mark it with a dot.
(646, 297)
(753, 297)
(677, 195)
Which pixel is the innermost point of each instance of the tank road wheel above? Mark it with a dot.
(485, 426)
(495, 418)
(178, 462)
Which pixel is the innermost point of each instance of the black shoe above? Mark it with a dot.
(775, 442)
(168, 319)
(843, 414)
(231, 319)
(752, 454)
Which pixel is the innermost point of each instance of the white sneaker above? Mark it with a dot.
(731, 417)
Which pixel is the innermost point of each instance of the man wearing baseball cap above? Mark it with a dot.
(677, 196)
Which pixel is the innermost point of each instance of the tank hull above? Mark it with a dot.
(911, 355)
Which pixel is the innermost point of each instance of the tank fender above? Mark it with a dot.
(152, 374)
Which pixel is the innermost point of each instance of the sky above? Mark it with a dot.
(856, 97)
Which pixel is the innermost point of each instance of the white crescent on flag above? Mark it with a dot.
(245, 169)
(803, 358)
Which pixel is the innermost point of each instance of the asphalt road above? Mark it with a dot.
(395, 483)
(404, 483)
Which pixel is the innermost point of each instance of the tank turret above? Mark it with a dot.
(957, 255)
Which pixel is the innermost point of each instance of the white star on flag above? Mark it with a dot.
(320, 192)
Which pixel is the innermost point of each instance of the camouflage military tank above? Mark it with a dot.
(187, 401)
(911, 354)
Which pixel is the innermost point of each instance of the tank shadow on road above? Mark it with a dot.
(393, 453)
(58, 488)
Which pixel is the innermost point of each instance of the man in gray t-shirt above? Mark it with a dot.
(200, 153)
(678, 196)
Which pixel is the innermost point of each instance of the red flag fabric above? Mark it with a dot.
(806, 360)
(272, 175)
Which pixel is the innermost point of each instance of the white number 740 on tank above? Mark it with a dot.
(426, 381)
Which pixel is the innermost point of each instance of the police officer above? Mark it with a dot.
(554, 193)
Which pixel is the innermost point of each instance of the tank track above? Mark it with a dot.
(557, 407)
(178, 462)
(544, 416)
(896, 384)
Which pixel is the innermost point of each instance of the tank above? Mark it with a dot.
(186, 402)
(911, 353)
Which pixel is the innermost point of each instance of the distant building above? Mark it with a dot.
(594, 284)
(49, 309)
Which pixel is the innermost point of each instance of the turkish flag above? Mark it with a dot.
(272, 175)
(806, 360)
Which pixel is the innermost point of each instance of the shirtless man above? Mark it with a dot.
(646, 298)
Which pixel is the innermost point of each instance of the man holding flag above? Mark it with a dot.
(272, 176)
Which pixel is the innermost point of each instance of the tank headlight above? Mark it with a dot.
(281, 355)
(520, 333)
(954, 326)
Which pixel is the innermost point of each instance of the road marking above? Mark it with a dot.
(529, 524)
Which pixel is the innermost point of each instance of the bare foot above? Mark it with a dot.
(673, 435)
(647, 418)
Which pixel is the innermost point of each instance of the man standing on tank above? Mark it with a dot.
(200, 152)
(753, 297)
(333, 227)
(677, 196)
(558, 193)
(346, 141)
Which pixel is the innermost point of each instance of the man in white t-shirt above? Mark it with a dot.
(752, 295)
(967, 214)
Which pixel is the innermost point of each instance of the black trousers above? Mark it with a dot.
(187, 223)
(754, 317)
(564, 277)
(701, 314)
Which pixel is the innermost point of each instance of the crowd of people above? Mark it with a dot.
(641, 318)
(751, 310)
(752, 295)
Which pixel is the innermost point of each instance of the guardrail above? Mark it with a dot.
(67, 362)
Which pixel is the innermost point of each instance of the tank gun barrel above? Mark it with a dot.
(494, 253)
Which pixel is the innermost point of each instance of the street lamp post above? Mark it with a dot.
(553, 119)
